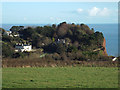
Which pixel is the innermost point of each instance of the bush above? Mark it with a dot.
(72, 49)
(105, 58)
(60, 48)
(63, 56)
(20, 54)
(56, 56)
(7, 50)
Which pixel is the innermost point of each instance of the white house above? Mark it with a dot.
(8, 33)
(23, 47)
(60, 41)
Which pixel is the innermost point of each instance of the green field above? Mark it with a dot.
(60, 77)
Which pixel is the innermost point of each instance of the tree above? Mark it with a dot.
(60, 48)
(99, 38)
(37, 41)
(7, 50)
(93, 29)
(6, 38)
(69, 33)
(87, 29)
(16, 29)
(72, 49)
(28, 33)
(62, 30)
(46, 40)
(48, 31)
(2, 31)
(38, 29)
(50, 48)
(54, 26)
(67, 40)
(76, 44)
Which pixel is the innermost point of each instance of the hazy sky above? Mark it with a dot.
(56, 12)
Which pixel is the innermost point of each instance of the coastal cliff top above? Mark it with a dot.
(77, 41)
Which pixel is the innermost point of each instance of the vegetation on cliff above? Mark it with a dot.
(56, 42)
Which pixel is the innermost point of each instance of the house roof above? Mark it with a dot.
(23, 45)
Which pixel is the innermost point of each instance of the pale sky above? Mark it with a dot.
(57, 12)
(59, 0)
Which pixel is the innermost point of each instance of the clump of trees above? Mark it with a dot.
(81, 42)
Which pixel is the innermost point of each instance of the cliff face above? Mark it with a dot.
(104, 45)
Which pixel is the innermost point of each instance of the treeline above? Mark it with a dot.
(57, 42)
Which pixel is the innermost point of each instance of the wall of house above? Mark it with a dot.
(27, 48)
(24, 48)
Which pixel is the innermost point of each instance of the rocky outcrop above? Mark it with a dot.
(104, 46)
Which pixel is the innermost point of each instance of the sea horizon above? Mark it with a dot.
(3, 25)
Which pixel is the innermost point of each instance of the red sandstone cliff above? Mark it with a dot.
(104, 45)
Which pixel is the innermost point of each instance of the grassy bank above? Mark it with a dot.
(60, 77)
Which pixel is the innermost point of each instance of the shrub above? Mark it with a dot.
(7, 50)
(63, 56)
(72, 49)
(60, 48)
(20, 54)
(56, 56)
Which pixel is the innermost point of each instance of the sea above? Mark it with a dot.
(110, 32)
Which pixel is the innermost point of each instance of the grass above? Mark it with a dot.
(60, 77)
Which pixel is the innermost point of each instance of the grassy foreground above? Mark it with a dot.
(60, 77)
